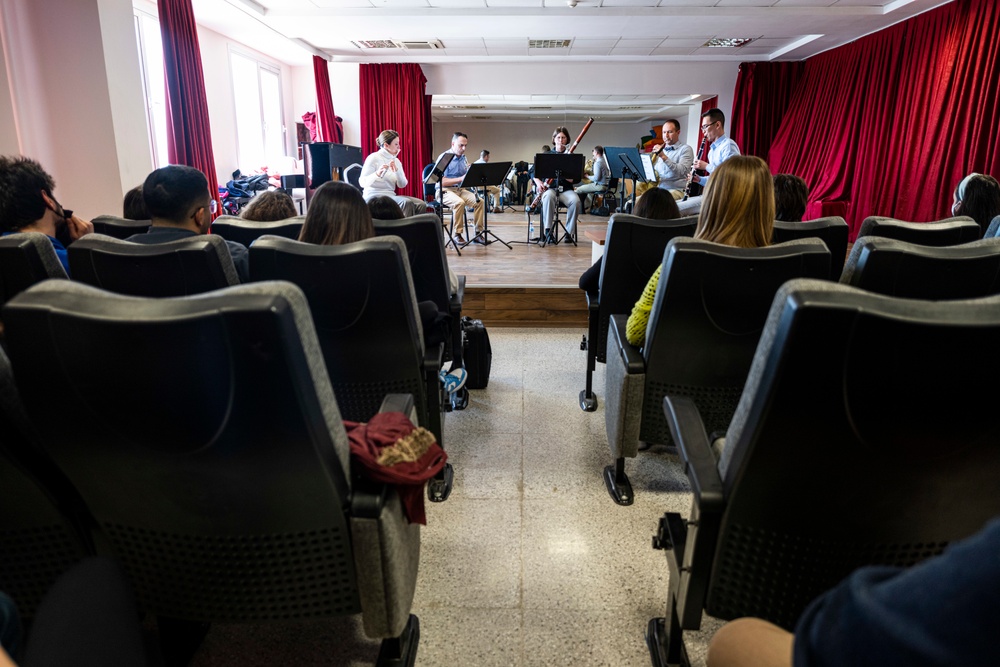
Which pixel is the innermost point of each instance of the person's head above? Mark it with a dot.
(269, 206)
(134, 206)
(337, 214)
(560, 138)
(738, 206)
(978, 196)
(546, 148)
(671, 131)
(389, 140)
(713, 124)
(484, 155)
(598, 151)
(656, 204)
(177, 196)
(384, 208)
(26, 196)
(790, 196)
(459, 142)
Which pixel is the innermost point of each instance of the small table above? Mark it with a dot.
(598, 237)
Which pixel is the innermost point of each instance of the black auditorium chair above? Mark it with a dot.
(429, 268)
(179, 268)
(362, 299)
(710, 307)
(993, 229)
(205, 438)
(950, 231)
(866, 435)
(632, 251)
(44, 528)
(26, 259)
(911, 271)
(245, 232)
(120, 228)
(831, 230)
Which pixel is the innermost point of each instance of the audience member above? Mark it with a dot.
(384, 208)
(978, 196)
(790, 196)
(269, 206)
(337, 215)
(181, 206)
(134, 206)
(655, 204)
(737, 210)
(28, 205)
(939, 612)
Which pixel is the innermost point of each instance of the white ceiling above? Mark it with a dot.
(498, 31)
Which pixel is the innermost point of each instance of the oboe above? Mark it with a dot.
(687, 187)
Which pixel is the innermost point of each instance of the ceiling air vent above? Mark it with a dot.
(548, 43)
(432, 44)
(728, 42)
(375, 44)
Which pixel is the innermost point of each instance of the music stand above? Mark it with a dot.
(511, 173)
(483, 175)
(623, 161)
(560, 167)
(434, 178)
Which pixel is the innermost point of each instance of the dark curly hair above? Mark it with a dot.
(269, 206)
(790, 196)
(22, 181)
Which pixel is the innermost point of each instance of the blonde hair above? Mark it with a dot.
(386, 138)
(738, 207)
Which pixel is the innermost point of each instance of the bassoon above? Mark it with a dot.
(687, 188)
(548, 182)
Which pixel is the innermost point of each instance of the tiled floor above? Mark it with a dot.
(529, 562)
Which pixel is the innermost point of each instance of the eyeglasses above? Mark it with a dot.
(705, 127)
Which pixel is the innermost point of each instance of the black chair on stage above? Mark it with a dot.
(205, 439)
(866, 435)
(245, 232)
(179, 268)
(831, 230)
(994, 228)
(431, 197)
(911, 271)
(429, 268)
(362, 300)
(120, 228)
(44, 529)
(710, 307)
(950, 231)
(632, 251)
(26, 259)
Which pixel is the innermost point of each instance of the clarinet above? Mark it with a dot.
(687, 187)
(548, 182)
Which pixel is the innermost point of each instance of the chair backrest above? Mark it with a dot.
(245, 232)
(612, 185)
(41, 525)
(832, 230)
(120, 228)
(177, 268)
(429, 190)
(994, 228)
(632, 251)
(866, 434)
(362, 302)
(708, 313)
(26, 259)
(908, 270)
(425, 251)
(205, 439)
(950, 231)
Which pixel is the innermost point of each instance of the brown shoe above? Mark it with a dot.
(459, 238)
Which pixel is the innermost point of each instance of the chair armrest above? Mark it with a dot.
(700, 465)
(433, 360)
(455, 301)
(630, 354)
(593, 303)
(397, 403)
(368, 498)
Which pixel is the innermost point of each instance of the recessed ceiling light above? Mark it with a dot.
(728, 42)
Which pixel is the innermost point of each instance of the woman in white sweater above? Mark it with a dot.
(382, 173)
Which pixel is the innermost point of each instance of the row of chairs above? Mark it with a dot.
(199, 442)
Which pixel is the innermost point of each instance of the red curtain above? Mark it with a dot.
(706, 105)
(890, 123)
(189, 134)
(330, 125)
(393, 98)
(763, 92)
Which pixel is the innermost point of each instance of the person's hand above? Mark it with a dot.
(656, 149)
(77, 227)
(381, 170)
(700, 164)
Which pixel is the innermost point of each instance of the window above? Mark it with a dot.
(260, 128)
(147, 33)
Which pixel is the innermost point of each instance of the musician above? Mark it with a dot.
(457, 198)
(713, 126)
(551, 196)
(484, 158)
(599, 182)
(382, 173)
(673, 160)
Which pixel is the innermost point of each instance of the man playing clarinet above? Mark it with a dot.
(551, 195)
(674, 160)
(721, 147)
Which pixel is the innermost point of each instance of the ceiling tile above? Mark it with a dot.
(693, 42)
(588, 51)
(462, 43)
(630, 3)
(594, 43)
(617, 51)
(481, 51)
(513, 3)
(638, 43)
(805, 3)
(673, 51)
(458, 4)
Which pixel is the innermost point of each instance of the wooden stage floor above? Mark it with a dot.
(527, 285)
